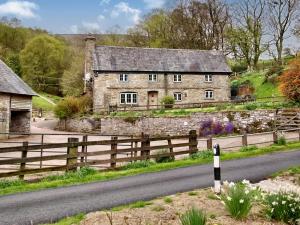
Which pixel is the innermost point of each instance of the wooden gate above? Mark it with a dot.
(287, 119)
(3, 124)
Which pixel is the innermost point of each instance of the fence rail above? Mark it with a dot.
(110, 154)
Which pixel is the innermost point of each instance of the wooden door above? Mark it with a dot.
(152, 99)
(3, 124)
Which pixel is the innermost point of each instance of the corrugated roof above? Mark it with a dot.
(12, 83)
(108, 58)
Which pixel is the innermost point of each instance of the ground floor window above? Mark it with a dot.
(209, 94)
(178, 96)
(128, 98)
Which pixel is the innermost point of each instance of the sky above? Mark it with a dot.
(79, 16)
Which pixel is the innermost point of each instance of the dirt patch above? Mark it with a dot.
(167, 212)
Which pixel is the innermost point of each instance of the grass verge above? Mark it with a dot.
(73, 220)
(88, 175)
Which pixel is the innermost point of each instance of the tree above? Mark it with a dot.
(290, 81)
(72, 80)
(43, 61)
(282, 14)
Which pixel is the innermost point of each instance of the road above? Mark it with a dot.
(52, 204)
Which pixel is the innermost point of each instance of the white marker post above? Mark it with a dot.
(217, 169)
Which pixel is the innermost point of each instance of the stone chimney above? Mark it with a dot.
(90, 44)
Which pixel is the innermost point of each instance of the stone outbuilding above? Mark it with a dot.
(15, 103)
(141, 77)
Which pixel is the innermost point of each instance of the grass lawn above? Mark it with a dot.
(40, 103)
(88, 175)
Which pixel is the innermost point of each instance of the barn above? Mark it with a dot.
(15, 103)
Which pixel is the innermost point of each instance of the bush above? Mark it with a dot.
(206, 154)
(238, 199)
(251, 106)
(163, 159)
(193, 216)
(209, 127)
(281, 141)
(139, 164)
(248, 148)
(168, 101)
(71, 106)
(283, 207)
(273, 73)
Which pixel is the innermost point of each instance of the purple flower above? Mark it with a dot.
(217, 128)
(229, 128)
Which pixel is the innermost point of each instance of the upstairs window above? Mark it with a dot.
(128, 98)
(152, 77)
(177, 78)
(208, 78)
(123, 77)
(178, 96)
(209, 94)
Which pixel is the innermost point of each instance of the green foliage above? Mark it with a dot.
(273, 72)
(251, 106)
(206, 154)
(283, 207)
(10, 183)
(72, 106)
(140, 204)
(43, 61)
(138, 164)
(168, 101)
(160, 158)
(281, 140)
(193, 216)
(168, 200)
(238, 199)
(74, 220)
(238, 66)
(80, 174)
(13, 61)
(72, 78)
(248, 148)
(130, 119)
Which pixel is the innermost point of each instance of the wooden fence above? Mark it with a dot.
(118, 151)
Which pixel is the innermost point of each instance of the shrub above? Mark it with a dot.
(163, 159)
(273, 73)
(209, 127)
(193, 216)
(283, 207)
(130, 119)
(139, 164)
(281, 141)
(72, 106)
(206, 154)
(290, 81)
(248, 148)
(238, 199)
(251, 106)
(168, 101)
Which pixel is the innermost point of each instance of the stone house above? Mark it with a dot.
(15, 103)
(141, 77)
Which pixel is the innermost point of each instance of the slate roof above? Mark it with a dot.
(12, 83)
(107, 58)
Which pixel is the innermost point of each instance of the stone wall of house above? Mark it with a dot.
(250, 121)
(107, 88)
(20, 122)
(4, 115)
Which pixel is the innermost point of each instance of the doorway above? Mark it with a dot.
(152, 99)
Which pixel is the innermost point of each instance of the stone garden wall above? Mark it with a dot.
(250, 121)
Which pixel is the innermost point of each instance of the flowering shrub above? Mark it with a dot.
(238, 198)
(209, 127)
(283, 207)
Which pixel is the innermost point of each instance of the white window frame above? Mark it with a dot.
(130, 98)
(209, 94)
(123, 77)
(177, 78)
(152, 77)
(178, 96)
(208, 78)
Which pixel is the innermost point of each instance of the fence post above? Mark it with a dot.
(209, 143)
(171, 148)
(23, 156)
(193, 142)
(275, 137)
(84, 150)
(217, 169)
(113, 155)
(72, 152)
(145, 152)
(245, 139)
(299, 134)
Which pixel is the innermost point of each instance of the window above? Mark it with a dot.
(123, 77)
(128, 98)
(153, 77)
(208, 78)
(178, 96)
(209, 94)
(177, 77)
